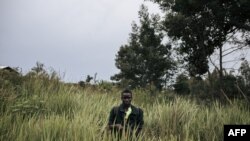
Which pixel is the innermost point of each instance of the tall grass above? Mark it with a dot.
(50, 110)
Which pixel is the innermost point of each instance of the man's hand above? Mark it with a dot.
(118, 126)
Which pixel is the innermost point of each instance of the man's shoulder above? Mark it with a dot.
(115, 109)
(136, 107)
(136, 110)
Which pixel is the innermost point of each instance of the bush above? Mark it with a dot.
(181, 86)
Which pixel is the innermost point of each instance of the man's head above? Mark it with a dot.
(126, 97)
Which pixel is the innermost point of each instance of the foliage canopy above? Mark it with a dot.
(203, 26)
(144, 59)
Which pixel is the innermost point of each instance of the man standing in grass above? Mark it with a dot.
(126, 118)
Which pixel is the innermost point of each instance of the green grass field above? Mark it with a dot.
(41, 110)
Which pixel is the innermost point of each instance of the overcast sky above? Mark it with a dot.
(74, 37)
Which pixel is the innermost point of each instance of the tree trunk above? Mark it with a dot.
(220, 72)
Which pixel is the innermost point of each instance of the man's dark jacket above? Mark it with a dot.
(134, 122)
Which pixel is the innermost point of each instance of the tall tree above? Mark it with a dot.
(245, 72)
(203, 26)
(144, 59)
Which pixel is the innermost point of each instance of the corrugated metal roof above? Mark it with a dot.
(4, 67)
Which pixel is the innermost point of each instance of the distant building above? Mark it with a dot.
(7, 68)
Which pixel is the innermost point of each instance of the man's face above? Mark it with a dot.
(126, 99)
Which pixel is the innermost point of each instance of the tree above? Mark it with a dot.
(203, 26)
(181, 85)
(89, 78)
(245, 72)
(39, 68)
(38, 71)
(145, 59)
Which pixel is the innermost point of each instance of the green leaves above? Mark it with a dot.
(203, 26)
(144, 60)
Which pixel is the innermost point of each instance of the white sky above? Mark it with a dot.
(74, 37)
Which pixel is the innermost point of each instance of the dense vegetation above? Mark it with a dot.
(38, 106)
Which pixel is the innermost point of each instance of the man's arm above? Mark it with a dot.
(111, 117)
(140, 121)
(111, 122)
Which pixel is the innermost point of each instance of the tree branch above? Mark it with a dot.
(234, 50)
(213, 63)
